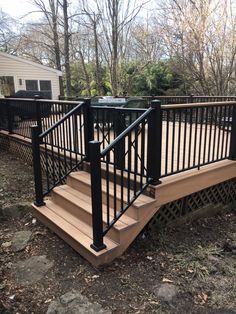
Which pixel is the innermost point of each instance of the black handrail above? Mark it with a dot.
(49, 130)
(128, 176)
(61, 149)
(126, 131)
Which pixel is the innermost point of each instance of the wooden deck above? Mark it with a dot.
(68, 210)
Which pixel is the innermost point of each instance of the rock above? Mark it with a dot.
(214, 259)
(15, 210)
(31, 270)
(20, 240)
(6, 244)
(74, 302)
(166, 292)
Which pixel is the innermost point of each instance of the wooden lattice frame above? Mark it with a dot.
(220, 194)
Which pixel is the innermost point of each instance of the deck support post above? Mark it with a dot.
(88, 127)
(154, 143)
(35, 131)
(96, 192)
(232, 152)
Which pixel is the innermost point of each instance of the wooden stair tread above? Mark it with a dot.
(75, 221)
(84, 177)
(74, 232)
(84, 201)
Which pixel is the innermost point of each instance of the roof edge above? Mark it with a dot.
(7, 55)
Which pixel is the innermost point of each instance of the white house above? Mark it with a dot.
(21, 74)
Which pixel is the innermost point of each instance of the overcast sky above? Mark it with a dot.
(18, 8)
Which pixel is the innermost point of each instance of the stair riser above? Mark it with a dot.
(83, 187)
(82, 214)
(106, 259)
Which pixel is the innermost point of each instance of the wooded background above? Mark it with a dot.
(115, 47)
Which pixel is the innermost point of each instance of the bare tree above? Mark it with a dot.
(200, 38)
(50, 10)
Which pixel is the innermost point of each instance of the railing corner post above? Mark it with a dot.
(96, 191)
(154, 143)
(88, 127)
(35, 131)
(232, 152)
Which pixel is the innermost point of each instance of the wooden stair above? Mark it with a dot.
(68, 212)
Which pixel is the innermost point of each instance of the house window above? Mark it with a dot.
(46, 87)
(31, 84)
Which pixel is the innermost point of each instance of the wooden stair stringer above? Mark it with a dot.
(130, 236)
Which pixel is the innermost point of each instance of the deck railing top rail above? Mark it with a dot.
(199, 104)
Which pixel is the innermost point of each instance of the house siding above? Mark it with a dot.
(21, 70)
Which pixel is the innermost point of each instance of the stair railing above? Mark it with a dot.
(126, 180)
(60, 149)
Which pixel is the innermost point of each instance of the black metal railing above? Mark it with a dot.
(168, 100)
(18, 114)
(195, 135)
(61, 149)
(128, 149)
(130, 166)
(109, 122)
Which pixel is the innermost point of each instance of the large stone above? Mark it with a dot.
(31, 270)
(16, 210)
(74, 302)
(20, 240)
(166, 292)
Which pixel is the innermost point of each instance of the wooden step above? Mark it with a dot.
(76, 233)
(79, 205)
(81, 182)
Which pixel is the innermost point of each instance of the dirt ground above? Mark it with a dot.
(199, 260)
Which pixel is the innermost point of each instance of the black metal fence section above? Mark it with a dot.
(109, 122)
(130, 166)
(195, 135)
(61, 148)
(18, 114)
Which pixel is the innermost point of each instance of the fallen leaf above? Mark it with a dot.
(167, 280)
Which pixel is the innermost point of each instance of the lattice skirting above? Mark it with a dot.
(23, 150)
(16, 147)
(222, 195)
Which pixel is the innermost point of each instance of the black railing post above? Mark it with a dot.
(154, 143)
(9, 116)
(119, 127)
(232, 152)
(96, 191)
(35, 132)
(88, 127)
(191, 98)
(38, 111)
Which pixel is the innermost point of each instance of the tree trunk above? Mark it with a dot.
(85, 73)
(66, 48)
(56, 44)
